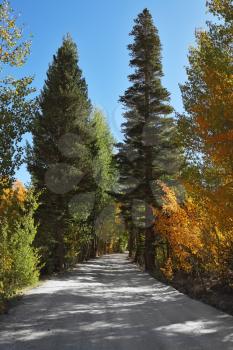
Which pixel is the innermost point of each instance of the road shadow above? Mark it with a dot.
(107, 303)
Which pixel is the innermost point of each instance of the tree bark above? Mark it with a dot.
(149, 249)
(140, 248)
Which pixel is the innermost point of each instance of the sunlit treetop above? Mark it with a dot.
(13, 49)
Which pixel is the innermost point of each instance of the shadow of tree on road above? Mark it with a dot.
(108, 303)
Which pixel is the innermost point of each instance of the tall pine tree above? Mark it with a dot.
(60, 160)
(149, 151)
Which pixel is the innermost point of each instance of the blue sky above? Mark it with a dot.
(100, 28)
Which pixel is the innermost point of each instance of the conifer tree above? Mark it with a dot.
(149, 150)
(60, 160)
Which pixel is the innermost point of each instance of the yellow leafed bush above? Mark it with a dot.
(18, 258)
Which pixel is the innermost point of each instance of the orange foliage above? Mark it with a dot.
(214, 114)
(195, 238)
(180, 226)
(16, 194)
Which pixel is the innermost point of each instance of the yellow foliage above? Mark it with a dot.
(16, 193)
(13, 51)
(196, 238)
(18, 258)
(180, 226)
(168, 269)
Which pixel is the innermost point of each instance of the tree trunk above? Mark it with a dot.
(140, 248)
(131, 242)
(94, 246)
(60, 251)
(149, 249)
(94, 240)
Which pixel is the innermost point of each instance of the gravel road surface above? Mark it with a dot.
(109, 304)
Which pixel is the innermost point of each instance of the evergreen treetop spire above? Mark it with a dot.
(64, 78)
(145, 53)
(148, 135)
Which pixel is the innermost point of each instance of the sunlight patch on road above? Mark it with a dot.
(190, 327)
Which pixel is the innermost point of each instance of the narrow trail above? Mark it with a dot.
(108, 304)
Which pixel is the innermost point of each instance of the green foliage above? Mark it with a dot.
(104, 175)
(18, 258)
(60, 160)
(71, 163)
(206, 130)
(103, 167)
(13, 50)
(149, 151)
(89, 209)
(16, 106)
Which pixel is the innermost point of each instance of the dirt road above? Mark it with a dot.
(108, 304)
